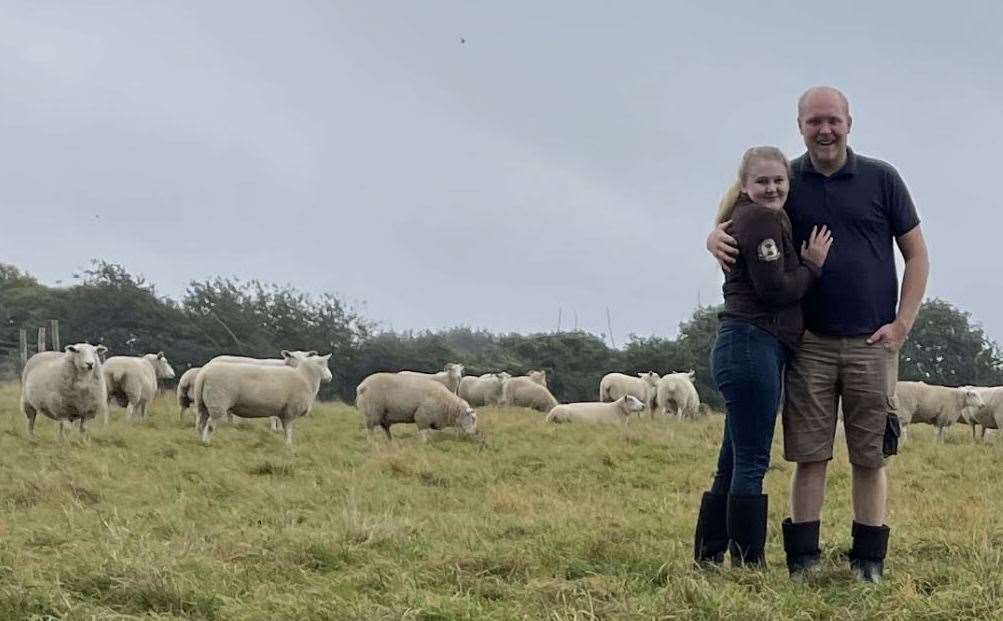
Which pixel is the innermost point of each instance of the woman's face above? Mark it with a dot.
(766, 182)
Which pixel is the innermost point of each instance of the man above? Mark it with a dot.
(849, 351)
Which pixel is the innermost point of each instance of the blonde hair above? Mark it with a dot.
(731, 196)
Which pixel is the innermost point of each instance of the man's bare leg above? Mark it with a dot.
(870, 495)
(808, 491)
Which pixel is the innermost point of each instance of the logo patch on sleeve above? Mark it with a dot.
(768, 250)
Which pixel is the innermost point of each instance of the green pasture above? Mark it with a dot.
(542, 522)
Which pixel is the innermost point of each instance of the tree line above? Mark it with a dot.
(108, 305)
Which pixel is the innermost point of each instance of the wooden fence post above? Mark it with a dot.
(54, 325)
(23, 344)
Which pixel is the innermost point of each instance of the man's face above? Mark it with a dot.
(824, 123)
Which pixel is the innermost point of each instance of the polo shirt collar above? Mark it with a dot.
(848, 170)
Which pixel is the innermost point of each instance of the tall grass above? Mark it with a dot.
(544, 522)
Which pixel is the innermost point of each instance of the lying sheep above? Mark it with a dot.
(483, 390)
(990, 414)
(676, 393)
(186, 390)
(527, 392)
(449, 377)
(940, 406)
(614, 413)
(259, 391)
(132, 381)
(644, 387)
(385, 399)
(65, 386)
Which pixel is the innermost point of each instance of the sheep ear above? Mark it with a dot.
(326, 358)
(285, 354)
(70, 349)
(101, 349)
(160, 355)
(312, 352)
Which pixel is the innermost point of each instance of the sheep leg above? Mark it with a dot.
(29, 414)
(129, 409)
(275, 423)
(386, 430)
(62, 429)
(424, 434)
(940, 434)
(287, 426)
(208, 420)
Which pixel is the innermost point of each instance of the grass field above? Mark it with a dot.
(544, 523)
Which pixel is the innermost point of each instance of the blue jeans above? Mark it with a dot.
(748, 367)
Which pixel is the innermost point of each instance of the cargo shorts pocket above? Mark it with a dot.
(890, 442)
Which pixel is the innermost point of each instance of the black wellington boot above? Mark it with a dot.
(747, 529)
(867, 556)
(710, 541)
(801, 546)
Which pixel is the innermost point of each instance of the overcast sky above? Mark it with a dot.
(471, 163)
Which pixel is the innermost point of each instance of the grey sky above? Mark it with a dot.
(567, 155)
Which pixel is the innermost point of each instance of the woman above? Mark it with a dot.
(760, 323)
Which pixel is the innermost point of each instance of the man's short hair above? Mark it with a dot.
(842, 97)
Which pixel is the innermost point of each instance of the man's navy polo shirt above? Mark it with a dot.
(865, 205)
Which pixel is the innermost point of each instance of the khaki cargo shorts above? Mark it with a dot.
(825, 370)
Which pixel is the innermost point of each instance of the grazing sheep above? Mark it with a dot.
(614, 413)
(65, 386)
(186, 386)
(385, 399)
(990, 414)
(526, 392)
(132, 381)
(644, 387)
(449, 377)
(258, 391)
(940, 406)
(677, 390)
(483, 390)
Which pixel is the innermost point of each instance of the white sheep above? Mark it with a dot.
(940, 406)
(259, 391)
(386, 399)
(186, 390)
(677, 390)
(526, 391)
(66, 386)
(612, 413)
(537, 377)
(990, 414)
(290, 360)
(450, 376)
(644, 387)
(483, 390)
(132, 381)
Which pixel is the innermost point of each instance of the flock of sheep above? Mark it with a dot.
(76, 385)
(942, 406)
